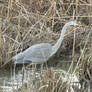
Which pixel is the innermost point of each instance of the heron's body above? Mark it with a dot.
(35, 54)
(40, 53)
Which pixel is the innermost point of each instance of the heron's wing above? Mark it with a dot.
(38, 53)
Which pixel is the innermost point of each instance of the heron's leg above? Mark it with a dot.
(35, 66)
(23, 69)
(32, 68)
(14, 71)
(23, 75)
(41, 67)
(46, 65)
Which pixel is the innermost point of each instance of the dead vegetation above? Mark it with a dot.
(24, 23)
(27, 22)
(52, 81)
(85, 72)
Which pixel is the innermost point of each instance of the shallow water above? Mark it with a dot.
(9, 79)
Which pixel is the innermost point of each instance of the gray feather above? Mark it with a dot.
(40, 53)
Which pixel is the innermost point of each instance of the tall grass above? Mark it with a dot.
(24, 23)
(27, 22)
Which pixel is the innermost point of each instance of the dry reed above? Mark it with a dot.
(27, 22)
(24, 23)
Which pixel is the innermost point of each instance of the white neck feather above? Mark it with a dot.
(58, 44)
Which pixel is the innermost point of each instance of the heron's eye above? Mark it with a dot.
(72, 25)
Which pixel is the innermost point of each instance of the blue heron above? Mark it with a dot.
(40, 53)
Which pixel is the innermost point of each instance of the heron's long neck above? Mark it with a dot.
(58, 44)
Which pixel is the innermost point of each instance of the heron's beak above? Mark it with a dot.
(81, 25)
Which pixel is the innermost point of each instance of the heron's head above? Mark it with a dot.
(73, 22)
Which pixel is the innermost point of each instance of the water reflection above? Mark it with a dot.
(9, 79)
